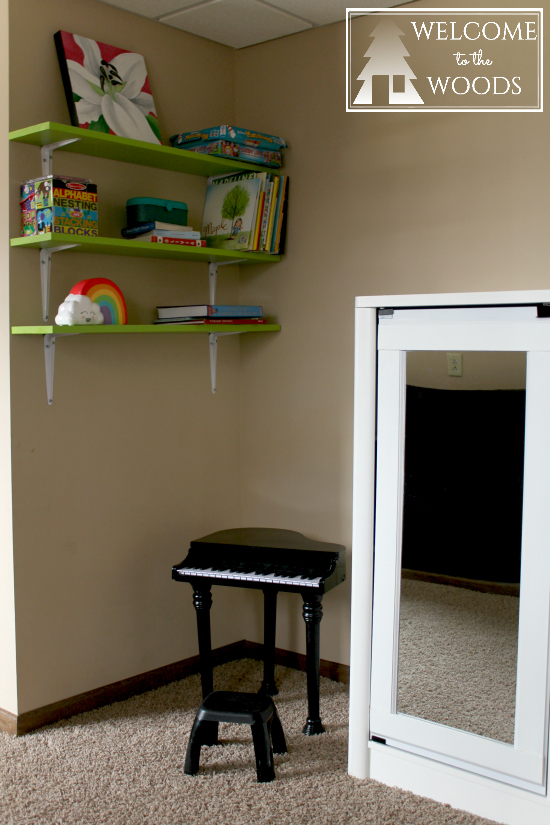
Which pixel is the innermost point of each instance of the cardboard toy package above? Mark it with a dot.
(224, 148)
(59, 203)
(245, 137)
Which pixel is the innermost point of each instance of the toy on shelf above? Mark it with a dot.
(249, 154)
(145, 210)
(245, 137)
(59, 203)
(230, 141)
(78, 310)
(93, 301)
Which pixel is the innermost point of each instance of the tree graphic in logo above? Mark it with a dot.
(387, 57)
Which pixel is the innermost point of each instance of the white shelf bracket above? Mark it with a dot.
(47, 154)
(213, 336)
(49, 356)
(213, 276)
(212, 280)
(213, 345)
(45, 271)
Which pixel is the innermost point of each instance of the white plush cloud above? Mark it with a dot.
(78, 309)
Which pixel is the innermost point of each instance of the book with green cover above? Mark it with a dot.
(230, 210)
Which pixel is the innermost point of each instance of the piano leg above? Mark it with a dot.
(270, 621)
(313, 613)
(202, 602)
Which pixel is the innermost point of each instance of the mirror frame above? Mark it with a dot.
(524, 763)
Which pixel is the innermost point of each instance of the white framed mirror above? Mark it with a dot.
(461, 598)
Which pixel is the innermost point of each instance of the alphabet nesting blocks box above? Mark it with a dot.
(59, 204)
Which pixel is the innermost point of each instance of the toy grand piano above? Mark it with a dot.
(271, 560)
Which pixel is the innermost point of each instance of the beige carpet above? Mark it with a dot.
(123, 765)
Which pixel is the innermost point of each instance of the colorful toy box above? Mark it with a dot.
(244, 137)
(57, 203)
(224, 148)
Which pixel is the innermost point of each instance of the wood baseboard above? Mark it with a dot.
(297, 661)
(125, 688)
(497, 588)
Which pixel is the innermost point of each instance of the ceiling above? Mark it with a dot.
(240, 23)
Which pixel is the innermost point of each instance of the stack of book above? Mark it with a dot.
(233, 142)
(246, 211)
(210, 314)
(159, 232)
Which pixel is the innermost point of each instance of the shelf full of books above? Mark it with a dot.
(246, 212)
(243, 212)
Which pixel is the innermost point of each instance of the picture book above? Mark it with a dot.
(273, 210)
(133, 231)
(259, 212)
(207, 310)
(230, 210)
(281, 224)
(207, 321)
(266, 214)
(166, 233)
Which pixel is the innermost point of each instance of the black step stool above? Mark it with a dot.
(255, 709)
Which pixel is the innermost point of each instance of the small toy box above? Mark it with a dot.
(58, 203)
(249, 154)
(245, 137)
(144, 210)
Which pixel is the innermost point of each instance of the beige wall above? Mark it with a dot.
(136, 456)
(8, 680)
(480, 371)
(380, 204)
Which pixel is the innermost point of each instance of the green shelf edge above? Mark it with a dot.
(120, 246)
(157, 329)
(102, 145)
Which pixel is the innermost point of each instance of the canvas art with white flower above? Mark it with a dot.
(107, 88)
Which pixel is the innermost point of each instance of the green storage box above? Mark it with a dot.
(144, 210)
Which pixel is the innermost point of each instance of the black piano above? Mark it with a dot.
(269, 560)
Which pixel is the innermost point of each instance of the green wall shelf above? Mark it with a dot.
(102, 145)
(55, 136)
(214, 331)
(158, 329)
(141, 249)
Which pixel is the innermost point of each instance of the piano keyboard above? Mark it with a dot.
(252, 576)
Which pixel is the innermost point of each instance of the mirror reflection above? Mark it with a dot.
(461, 551)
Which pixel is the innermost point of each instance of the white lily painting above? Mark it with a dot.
(107, 88)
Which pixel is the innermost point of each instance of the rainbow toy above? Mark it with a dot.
(109, 297)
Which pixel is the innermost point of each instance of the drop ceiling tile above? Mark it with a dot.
(236, 23)
(319, 12)
(322, 12)
(150, 8)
